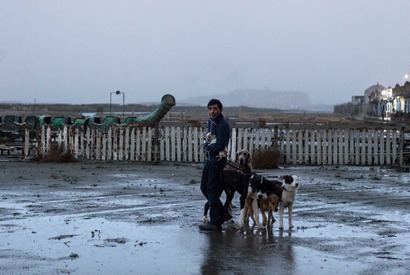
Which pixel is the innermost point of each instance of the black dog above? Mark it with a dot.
(232, 181)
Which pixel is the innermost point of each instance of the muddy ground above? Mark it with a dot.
(133, 218)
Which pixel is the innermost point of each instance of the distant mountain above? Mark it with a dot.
(259, 98)
(10, 102)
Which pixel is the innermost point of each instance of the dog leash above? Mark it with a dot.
(236, 166)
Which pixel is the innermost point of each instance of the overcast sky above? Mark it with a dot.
(79, 51)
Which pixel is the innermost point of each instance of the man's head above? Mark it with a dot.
(214, 108)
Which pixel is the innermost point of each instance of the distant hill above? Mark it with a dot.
(259, 98)
(262, 98)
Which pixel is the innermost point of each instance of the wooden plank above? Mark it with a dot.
(132, 144)
(305, 146)
(82, 142)
(240, 144)
(144, 144)
(395, 143)
(199, 137)
(120, 143)
(232, 144)
(104, 146)
(185, 142)
(335, 152)
(294, 147)
(87, 142)
(173, 144)
(109, 144)
(341, 146)
(389, 136)
(138, 142)
(380, 147)
(357, 136)
(288, 147)
(325, 144)
(150, 138)
(369, 147)
(191, 150)
(300, 144)
(363, 148)
(65, 139)
(246, 141)
(319, 138)
(127, 143)
(167, 137)
(98, 145)
(26, 142)
(270, 140)
(179, 150)
(351, 155)
(76, 143)
(115, 145)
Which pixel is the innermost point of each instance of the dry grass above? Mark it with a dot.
(196, 123)
(57, 154)
(266, 158)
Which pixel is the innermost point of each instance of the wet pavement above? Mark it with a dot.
(127, 218)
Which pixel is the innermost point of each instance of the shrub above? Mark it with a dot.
(266, 158)
(195, 123)
(261, 122)
(57, 154)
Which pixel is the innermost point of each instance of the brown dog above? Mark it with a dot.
(270, 205)
(243, 159)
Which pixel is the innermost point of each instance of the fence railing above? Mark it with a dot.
(298, 145)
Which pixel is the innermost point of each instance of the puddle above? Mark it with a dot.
(98, 246)
(55, 244)
(346, 221)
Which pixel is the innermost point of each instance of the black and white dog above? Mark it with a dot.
(290, 186)
(260, 188)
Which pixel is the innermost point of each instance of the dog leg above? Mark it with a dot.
(242, 218)
(290, 210)
(256, 213)
(206, 209)
(242, 201)
(281, 209)
(270, 218)
(264, 219)
(229, 198)
(250, 211)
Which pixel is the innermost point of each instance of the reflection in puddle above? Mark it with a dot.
(104, 247)
(100, 246)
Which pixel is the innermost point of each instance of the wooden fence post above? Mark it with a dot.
(401, 147)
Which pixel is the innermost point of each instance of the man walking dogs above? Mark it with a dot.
(215, 151)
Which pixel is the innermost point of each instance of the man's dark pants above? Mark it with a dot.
(211, 187)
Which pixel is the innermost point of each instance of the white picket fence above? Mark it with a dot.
(298, 145)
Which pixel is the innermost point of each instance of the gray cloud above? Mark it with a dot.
(80, 51)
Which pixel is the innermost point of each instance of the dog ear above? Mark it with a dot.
(288, 179)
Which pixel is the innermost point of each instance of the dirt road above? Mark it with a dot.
(132, 218)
